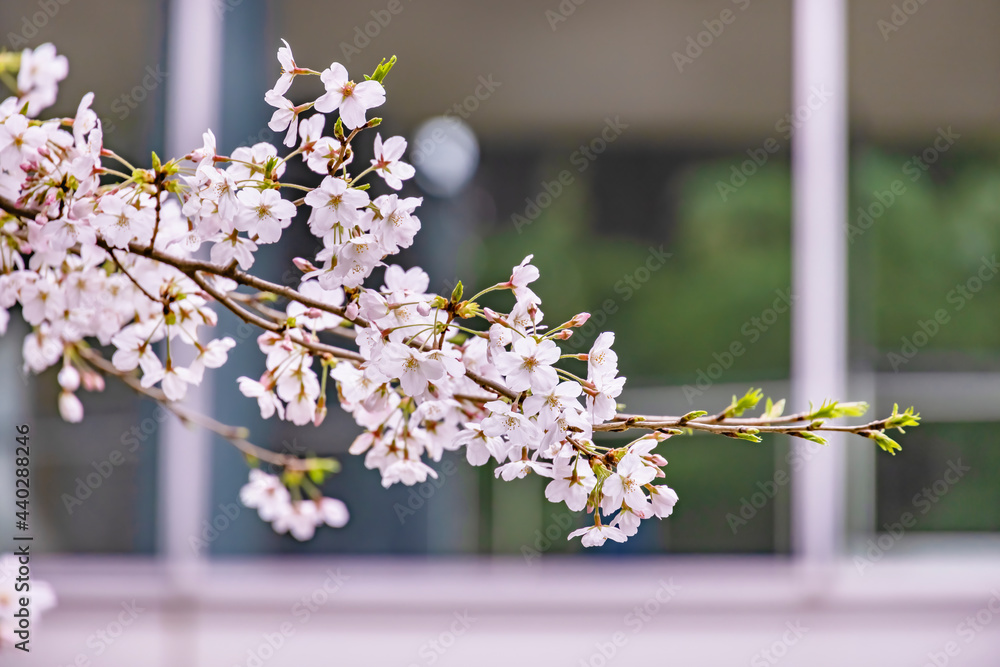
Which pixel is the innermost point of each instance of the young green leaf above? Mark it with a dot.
(773, 410)
(810, 436)
(885, 442)
(899, 419)
(748, 402)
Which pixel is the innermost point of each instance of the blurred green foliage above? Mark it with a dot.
(931, 481)
(728, 260)
(927, 243)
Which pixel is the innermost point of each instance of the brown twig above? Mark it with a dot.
(235, 434)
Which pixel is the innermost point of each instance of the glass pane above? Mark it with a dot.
(923, 230)
(946, 481)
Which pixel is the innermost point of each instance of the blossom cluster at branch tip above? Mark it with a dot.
(300, 518)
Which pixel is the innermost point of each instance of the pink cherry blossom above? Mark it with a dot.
(388, 161)
(353, 99)
(265, 214)
(529, 365)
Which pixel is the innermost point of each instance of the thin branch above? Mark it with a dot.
(134, 281)
(15, 210)
(713, 419)
(234, 434)
(268, 325)
(254, 302)
(760, 425)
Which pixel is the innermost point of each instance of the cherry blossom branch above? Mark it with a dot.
(408, 383)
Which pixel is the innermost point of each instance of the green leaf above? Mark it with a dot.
(835, 409)
(694, 414)
(810, 436)
(899, 419)
(773, 410)
(382, 70)
(885, 442)
(751, 437)
(748, 402)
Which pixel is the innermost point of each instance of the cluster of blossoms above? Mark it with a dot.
(273, 502)
(93, 252)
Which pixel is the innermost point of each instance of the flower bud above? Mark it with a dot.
(320, 414)
(93, 381)
(303, 265)
(70, 407)
(578, 320)
(69, 378)
(313, 313)
(424, 308)
(352, 310)
(563, 335)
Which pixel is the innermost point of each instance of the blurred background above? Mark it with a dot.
(643, 152)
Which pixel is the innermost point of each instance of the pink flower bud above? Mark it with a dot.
(303, 265)
(93, 381)
(352, 310)
(563, 335)
(319, 416)
(313, 313)
(424, 309)
(657, 460)
(579, 320)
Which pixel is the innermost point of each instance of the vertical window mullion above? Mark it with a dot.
(819, 324)
(193, 64)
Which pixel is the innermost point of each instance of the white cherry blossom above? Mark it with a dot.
(388, 161)
(353, 99)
